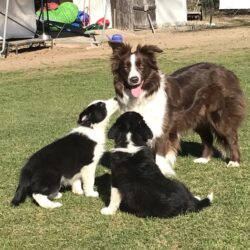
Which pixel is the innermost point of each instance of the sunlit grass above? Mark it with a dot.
(42, 105)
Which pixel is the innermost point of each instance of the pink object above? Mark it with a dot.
(136, 91)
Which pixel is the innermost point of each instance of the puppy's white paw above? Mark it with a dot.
(55, 205)
(233, 164)
(77, 191)
(58, 196)
(211, 197)
(44, 202)
(92, 194)
(197, 197)
(202, 160)
(107, 211)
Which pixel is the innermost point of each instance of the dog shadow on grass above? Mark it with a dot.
(103, 184)
(195, 149)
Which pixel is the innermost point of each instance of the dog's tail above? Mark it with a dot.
(23, 187)
(204, 202)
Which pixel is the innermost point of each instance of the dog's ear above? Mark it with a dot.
(144, 130)
(84, 120)
(120, 48)
(147, 133)
(148, 49)
(112, 132)
(115, 45)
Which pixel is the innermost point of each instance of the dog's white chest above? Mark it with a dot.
(152, 108)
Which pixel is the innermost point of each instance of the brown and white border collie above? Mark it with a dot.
(204, 97)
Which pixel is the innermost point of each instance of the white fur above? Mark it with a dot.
(96, 134)
(131, 148)
(44, 201)
(211, 197)
(77, 187)
(133, 70)
(115, 201)
(152, 108)
(202, 160)
(126, 150)
(197, 197)
(164, 165)
(233, 164)
(87, 174)
(88, 178)
(171, 157)
(58, 196)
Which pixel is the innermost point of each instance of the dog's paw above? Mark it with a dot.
(167, 170)
(197, 197)
(58, 196)
(233, 164)
(202, 160)
(92, 194)
(77, 191)
(55, 205)
(107, 211)
(165, 166)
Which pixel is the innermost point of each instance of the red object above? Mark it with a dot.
(101, 22)
(52, 6)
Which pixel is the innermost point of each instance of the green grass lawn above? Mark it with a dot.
(38, 106)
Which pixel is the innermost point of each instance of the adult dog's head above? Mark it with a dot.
(134, 71)
(130, 129)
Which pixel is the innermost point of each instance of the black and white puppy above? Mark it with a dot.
(70, 160)
(137, 182)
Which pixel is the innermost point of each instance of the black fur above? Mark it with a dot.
(63, 158)
(145, 191)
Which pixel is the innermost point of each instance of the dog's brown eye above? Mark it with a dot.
(139, 65)
(127, 66)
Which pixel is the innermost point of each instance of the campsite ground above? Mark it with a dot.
(71, 50)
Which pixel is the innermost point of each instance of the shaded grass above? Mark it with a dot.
(41, 105)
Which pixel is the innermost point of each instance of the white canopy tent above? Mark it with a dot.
(233, 4)
(17, 20)
(171, 12)
(21, 19)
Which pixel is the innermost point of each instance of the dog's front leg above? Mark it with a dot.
(166, 150)
(115, 201)
(88, 178)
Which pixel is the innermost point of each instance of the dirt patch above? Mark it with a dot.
(71, 50)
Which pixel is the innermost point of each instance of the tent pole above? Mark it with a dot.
(104, 21)
(44, 36)
(5, 26)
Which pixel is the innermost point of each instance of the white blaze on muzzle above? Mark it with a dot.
(134, 77)
(134, 73)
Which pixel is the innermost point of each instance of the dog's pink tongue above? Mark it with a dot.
(136, 91)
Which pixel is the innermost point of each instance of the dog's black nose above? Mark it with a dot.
(134, 79)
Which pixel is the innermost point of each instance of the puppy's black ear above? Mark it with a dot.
(147, 133)
(112, 132)
(84, 120)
